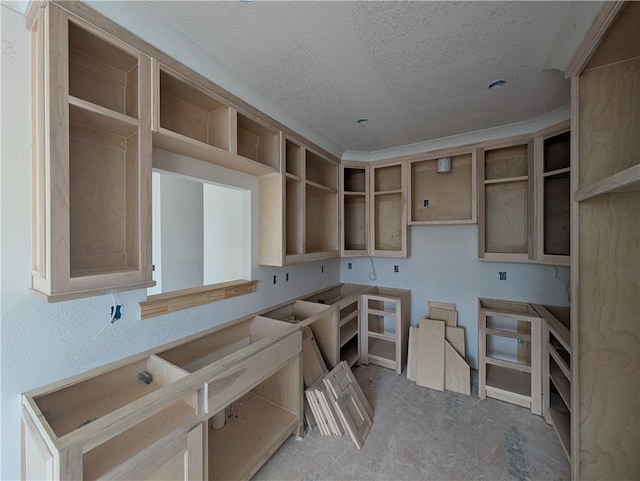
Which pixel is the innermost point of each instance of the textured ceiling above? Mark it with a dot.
(417, 70)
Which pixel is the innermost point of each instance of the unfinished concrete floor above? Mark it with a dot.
(421, 434)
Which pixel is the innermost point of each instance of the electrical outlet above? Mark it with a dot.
(349, 265)
(396, 268)
(425, 203)
(503, 275)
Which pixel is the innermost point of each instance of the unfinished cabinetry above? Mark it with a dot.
(299, 208)
(91, 160)
(193, 121)
(388, 210)
(505, 202)
(556, 371)
(441, 196)
(605, 278)
(385, 320)
(553, 191)
(509, 353)
(151, 416)
(354, 209)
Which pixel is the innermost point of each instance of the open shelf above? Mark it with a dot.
(388, 222)
(258, 142)
(561, 421)
(321, 172)
(506, 220)
(560, 381)
(627, 180)
(557, 152)
(355, 222)
(102, 73)
(443, 198)
(103, 192)
(293, 225)
(239, 449)
(98, 462)
(293, 158)
(506, 162)
(387, 178)
(355, 180)
(348, 331)
(189, 110)
(349, 352)
(321, 220)
(382, 348)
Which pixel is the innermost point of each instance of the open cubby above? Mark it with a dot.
(190, 111)
(293, 224)
(506, 162)
(321, 220)
(557, 214)
(355, 225)
(506, 218)
(355, 180)
(442, 197)
(103, 192)
(557, 152)
(320, 171)
(293, 158)
(388, 222)
(101, 73)
(388, 178)
(258, 142)
(349, 352)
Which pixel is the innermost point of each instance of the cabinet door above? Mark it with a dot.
(388, 212)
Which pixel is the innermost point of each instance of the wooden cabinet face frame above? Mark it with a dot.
(443, 198)
(354, 209)
(92, 178)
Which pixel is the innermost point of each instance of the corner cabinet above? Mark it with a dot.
(91, 160)
(354, 209)
(388, 210)
(605, 268)
(298, 208)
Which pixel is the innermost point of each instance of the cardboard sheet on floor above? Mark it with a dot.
(430, 360)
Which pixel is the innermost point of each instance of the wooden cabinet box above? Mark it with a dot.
(91, 160)
(354, 209)
(510, 371)
(448, 198)
(385, 320)
(388, 210)
(144, 416)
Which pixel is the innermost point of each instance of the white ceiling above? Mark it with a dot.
(417, 70)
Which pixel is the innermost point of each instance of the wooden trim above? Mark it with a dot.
(626, 181)
(594, 37)
(159, 304)
(80, 294)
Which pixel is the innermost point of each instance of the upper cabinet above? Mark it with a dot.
(91, 160)
(354, 209)
(524, 199)
(298, 217)
(443, 189)
(189, 119)
(388, 210)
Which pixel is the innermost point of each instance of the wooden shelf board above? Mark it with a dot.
(355, 193)
(293, 177)
(378, 312)
(99, 461)
(551, 173)
(508, 364)
(562, 425)
(242, 446)
(383, 337)
(387, 192)
(180, 144)
(320, 187)
(97, 117)
(506, 333)
(561, 383)
(510, 380)
(626, 181)
(349, 317)
(507, 180)
(347, 332)
(560, 361)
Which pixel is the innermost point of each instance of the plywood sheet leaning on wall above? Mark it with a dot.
(413, 353)
(430, 359)
(457, 371)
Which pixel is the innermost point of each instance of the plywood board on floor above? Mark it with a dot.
(457, 372)
(430, 360)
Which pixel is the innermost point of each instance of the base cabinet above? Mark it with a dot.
(158, 415)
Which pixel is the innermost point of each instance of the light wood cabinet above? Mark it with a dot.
(388, 210)
(191, 120)
(556, 371)
(385, 319)
(448, 198)
(354, 209)
(91, 160)
(509, 353)
(605, 274)
(298, 216)
(150, 417)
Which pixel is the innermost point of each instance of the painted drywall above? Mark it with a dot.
(182, 232)
(444, 266)
(41, 343)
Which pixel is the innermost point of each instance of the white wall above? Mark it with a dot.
(41, 343)
(444, 266)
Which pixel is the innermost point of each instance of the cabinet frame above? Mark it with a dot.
(344, 196)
